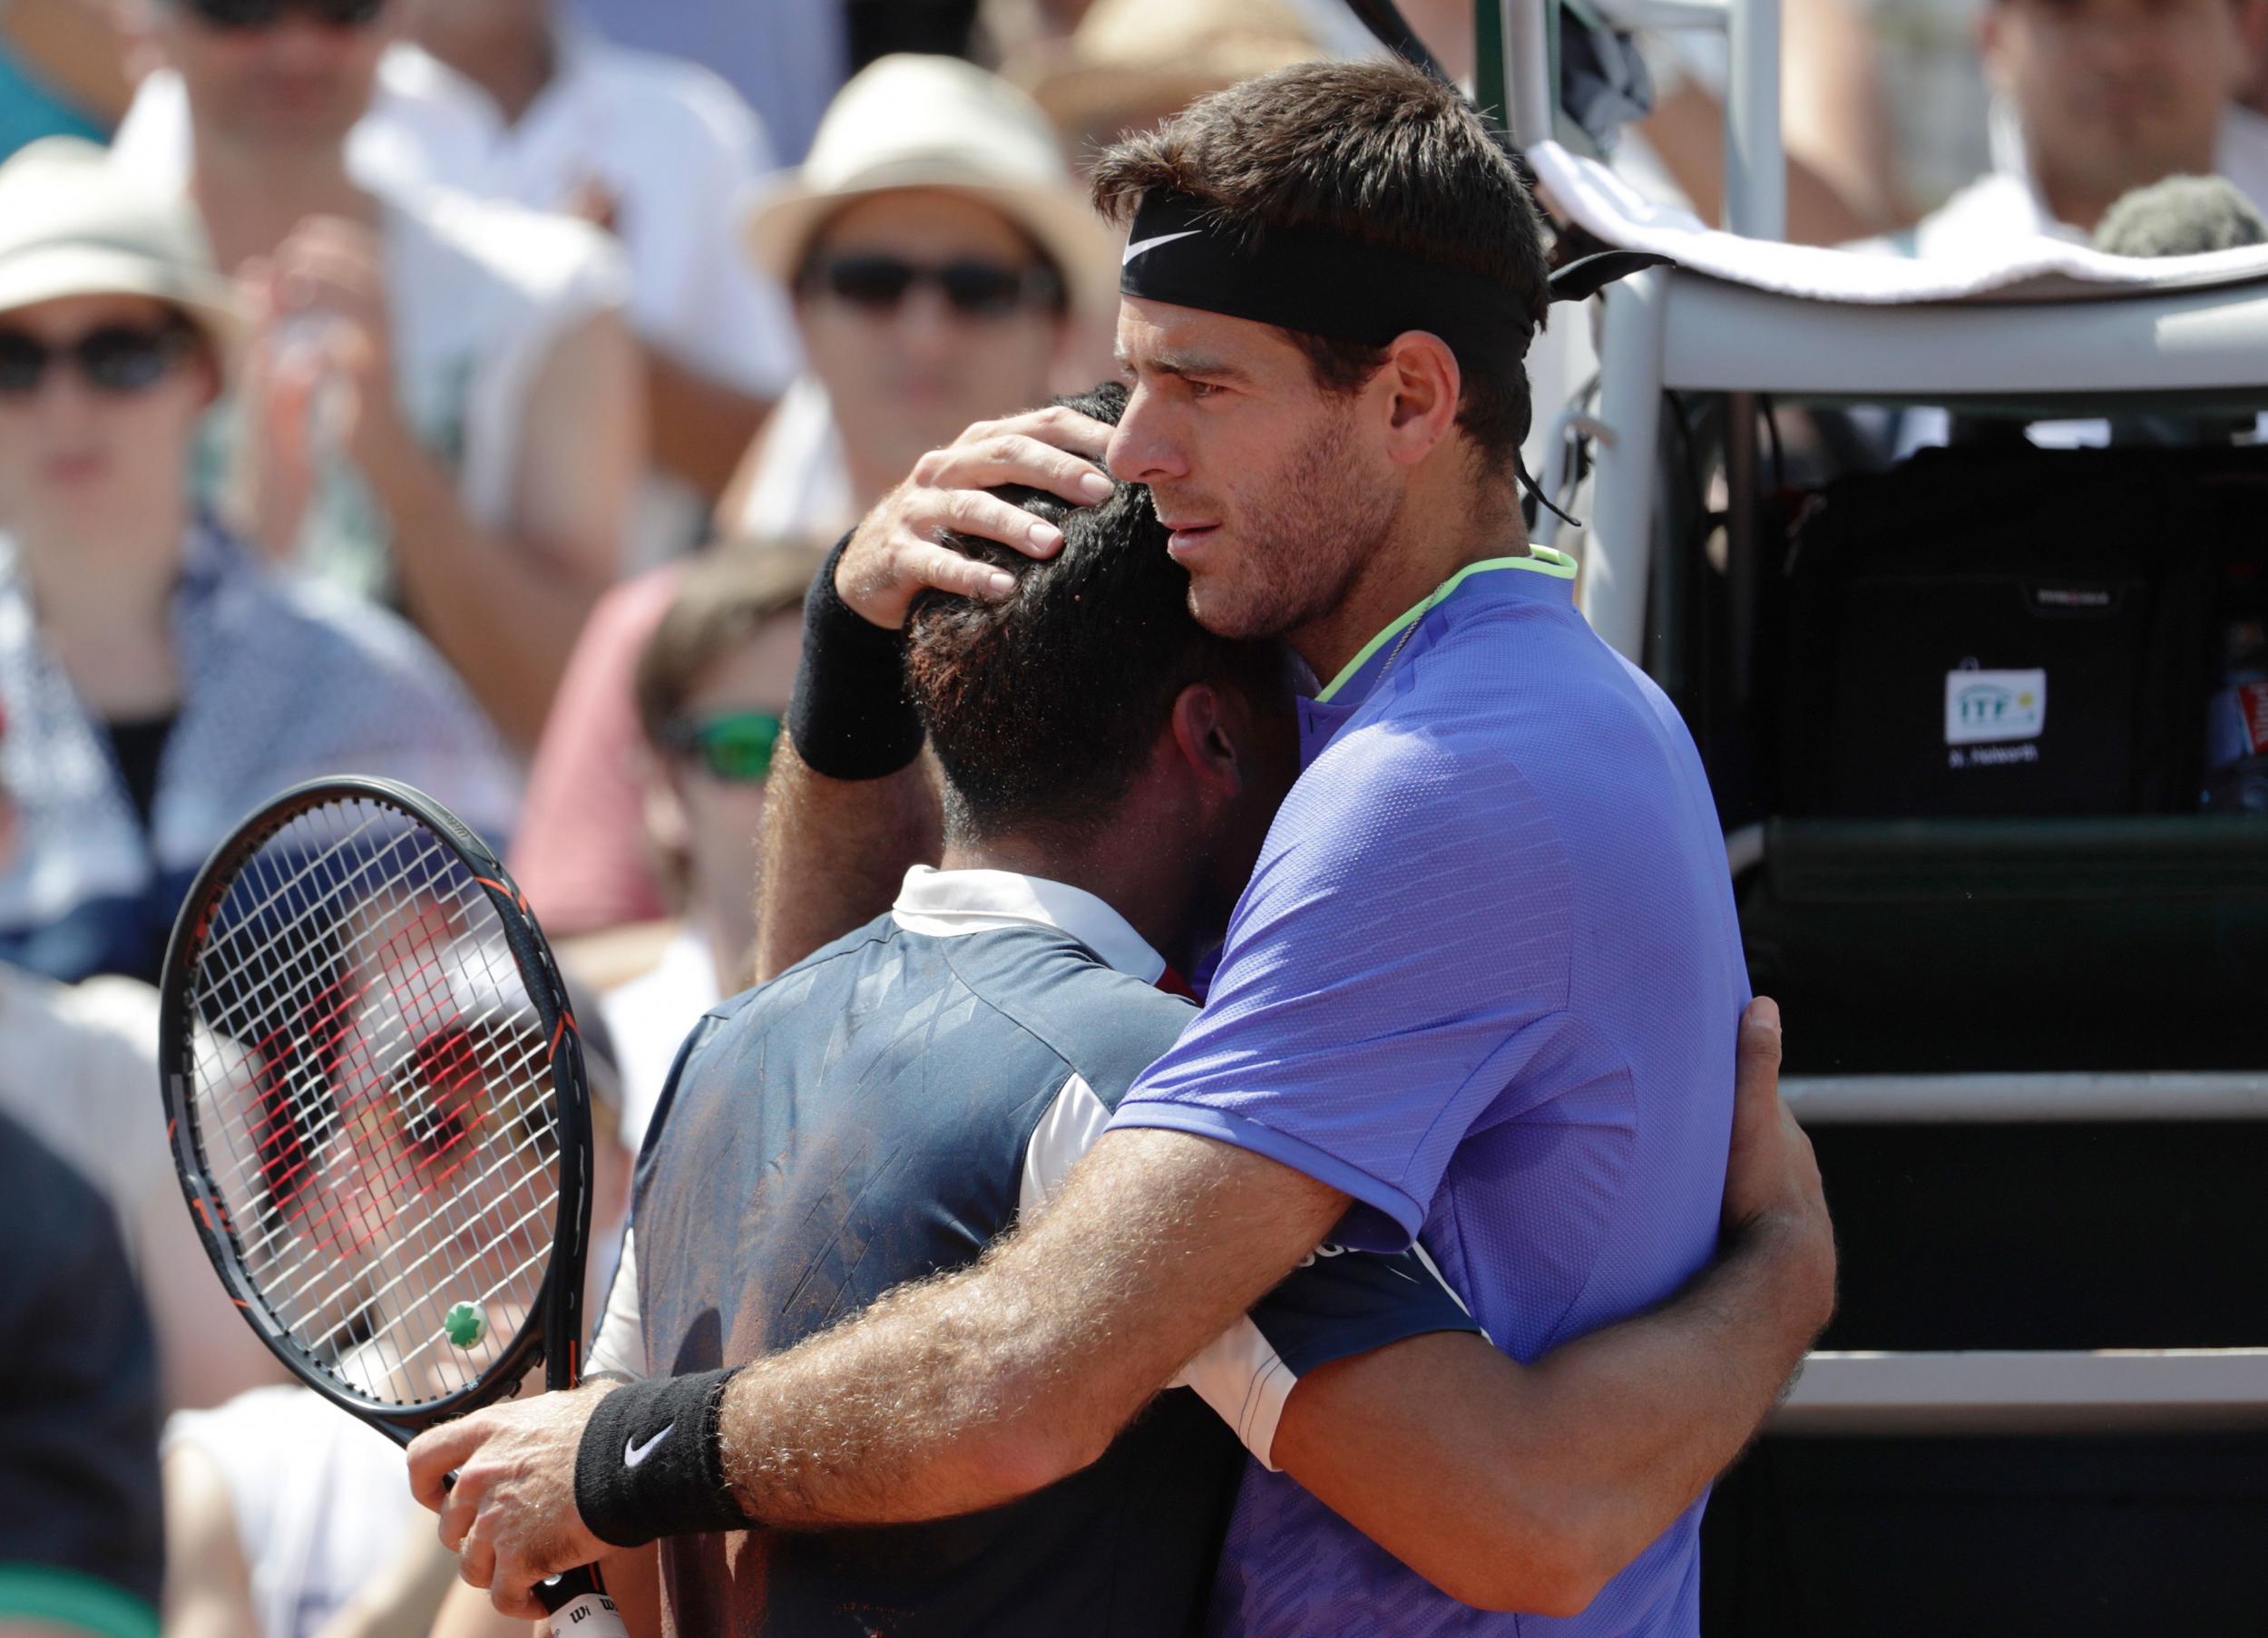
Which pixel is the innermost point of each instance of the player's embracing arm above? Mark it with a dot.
(1507, 1486)
(1513, 1487)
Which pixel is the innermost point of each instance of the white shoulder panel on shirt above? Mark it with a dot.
(1238, 1375)
(1068, 1130)
(620, 1348)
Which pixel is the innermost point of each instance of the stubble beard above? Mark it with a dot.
(1306, 540)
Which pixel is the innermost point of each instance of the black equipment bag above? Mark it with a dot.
(2009, 631)
(1963, 879)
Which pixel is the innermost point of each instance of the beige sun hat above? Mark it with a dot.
(1131, 61)
(923, 121)
(73, 224)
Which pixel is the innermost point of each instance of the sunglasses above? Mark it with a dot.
(735, 746)
(972, 288)
(115, 358)
(247, 14)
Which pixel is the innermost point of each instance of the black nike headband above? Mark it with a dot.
(1319, 280)
(1323, 282)
(1328, 283)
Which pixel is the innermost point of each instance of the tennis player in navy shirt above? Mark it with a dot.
(1484, 985)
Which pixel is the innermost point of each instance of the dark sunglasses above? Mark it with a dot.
(735, 746)
(115, 358)
(972, 288)
(266, 13)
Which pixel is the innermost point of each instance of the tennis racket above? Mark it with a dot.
(375, 1097)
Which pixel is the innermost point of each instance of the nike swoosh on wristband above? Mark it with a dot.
(1138, 246)
(633, 1453)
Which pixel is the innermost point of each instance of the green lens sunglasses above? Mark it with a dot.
(733, 745)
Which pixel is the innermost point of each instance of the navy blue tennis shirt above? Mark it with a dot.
(880, 1112)
(1487, 980)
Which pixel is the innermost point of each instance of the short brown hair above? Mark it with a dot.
(721, 603)
(1379, 151)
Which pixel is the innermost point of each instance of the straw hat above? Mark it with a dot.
(1131, 60)
(921, 121)
(73, 224)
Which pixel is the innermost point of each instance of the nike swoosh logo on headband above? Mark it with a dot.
(1140, 245)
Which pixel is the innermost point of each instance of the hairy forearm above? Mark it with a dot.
(834, 852)
(937, 1401)
(505, 613)
(1526, 1488)
(1655, 1409)
(969, 1390)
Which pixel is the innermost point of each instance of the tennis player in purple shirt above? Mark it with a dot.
(1484, 987)
(1483, 984)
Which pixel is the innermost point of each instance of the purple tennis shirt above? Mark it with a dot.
(1486, 979)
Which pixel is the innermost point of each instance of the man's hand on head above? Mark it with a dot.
(1772, 1183)
(894, 555)
(508, 1512)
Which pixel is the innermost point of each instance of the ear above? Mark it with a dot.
(1206, 738)
(1421, 375)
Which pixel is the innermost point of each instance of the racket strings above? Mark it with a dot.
(322, 1229)
(373, 1099)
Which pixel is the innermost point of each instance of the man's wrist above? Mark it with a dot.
(849, 717)
(651, 1464)
(1794, 1247)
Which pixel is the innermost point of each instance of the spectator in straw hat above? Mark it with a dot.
(1130, 64)
(158, 682)
(937, 249)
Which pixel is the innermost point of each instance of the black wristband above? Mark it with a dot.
(650, 1465)
(849, 717)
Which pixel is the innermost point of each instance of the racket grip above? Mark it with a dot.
(579, 1605)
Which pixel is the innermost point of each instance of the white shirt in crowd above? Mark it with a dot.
(669, 143)
(801, 490)
(667, 139)
(2005, 207)
(479, 292)
(2005, 203)
(320, 1500)
(81, 1072)
(152, 141)
(649, 1019)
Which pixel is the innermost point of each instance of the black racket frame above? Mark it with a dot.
(553, 1331)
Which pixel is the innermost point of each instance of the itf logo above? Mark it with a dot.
(1989, 708)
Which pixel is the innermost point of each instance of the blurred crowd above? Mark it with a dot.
(465, 392)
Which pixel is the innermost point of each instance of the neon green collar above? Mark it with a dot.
(1542, 560)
